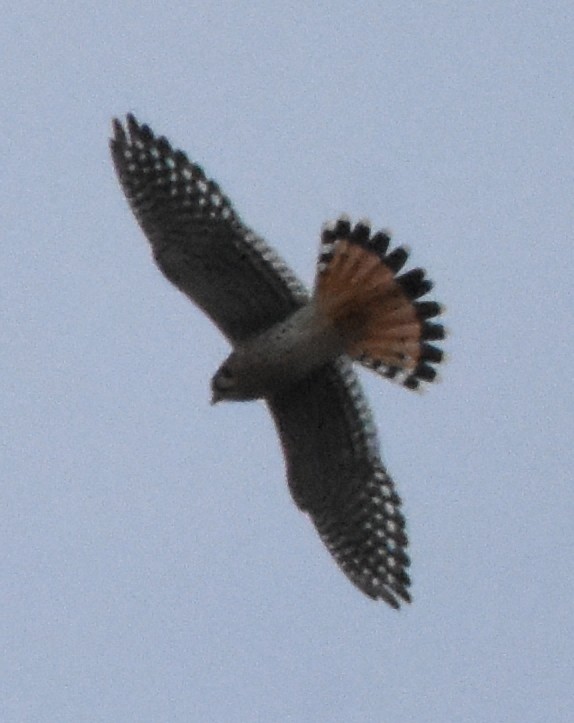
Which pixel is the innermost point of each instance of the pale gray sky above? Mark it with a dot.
(153, 566)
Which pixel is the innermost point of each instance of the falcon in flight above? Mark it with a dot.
(294, 349)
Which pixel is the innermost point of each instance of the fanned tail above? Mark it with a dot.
(378, 313)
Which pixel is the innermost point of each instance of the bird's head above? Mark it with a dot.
(228, 382)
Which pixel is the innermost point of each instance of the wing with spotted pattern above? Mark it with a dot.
(336, 475)
(198, 240)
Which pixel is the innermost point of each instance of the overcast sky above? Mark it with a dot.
(153, 565)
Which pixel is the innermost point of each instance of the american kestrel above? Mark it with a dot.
(295, 350)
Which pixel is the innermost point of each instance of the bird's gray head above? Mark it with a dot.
(223, 383)
(229, 381)
(242, 377)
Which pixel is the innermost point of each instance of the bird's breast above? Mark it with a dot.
(290, 350)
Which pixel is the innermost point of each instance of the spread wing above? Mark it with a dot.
(198, 240)
(336, 475)
(334, 470)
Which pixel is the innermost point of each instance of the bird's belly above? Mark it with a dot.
(291, 350)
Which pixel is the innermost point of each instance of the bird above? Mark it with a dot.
(294, 348)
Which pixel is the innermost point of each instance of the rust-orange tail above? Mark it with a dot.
(377, 312)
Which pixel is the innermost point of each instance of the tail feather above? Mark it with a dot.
(375, 310)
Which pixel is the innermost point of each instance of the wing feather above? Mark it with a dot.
(336, 475)
(198, 240)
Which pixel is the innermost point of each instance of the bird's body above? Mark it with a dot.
(294, 349)
(280, 356)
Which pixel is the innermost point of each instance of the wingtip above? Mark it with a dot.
(118, 131)
(122, 129)
(395, 595)
(133, 125)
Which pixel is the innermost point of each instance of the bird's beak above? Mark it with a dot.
(215, 397)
